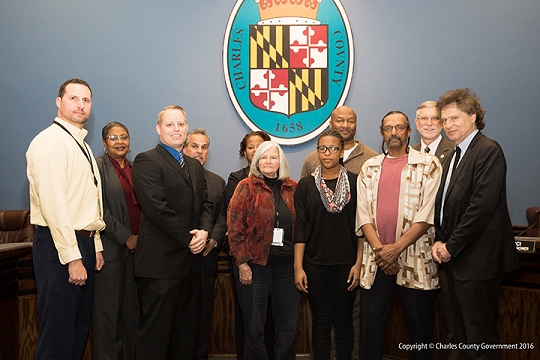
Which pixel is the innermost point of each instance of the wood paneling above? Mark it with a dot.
(519, 315)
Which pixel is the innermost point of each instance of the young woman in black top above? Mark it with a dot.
(326, 251)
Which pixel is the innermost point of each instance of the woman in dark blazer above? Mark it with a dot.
(116, 306)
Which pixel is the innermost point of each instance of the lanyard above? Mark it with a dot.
(80, 147)
(277, 200)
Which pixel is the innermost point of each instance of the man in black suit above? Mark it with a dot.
(475, 239)
(175, 220)
(196, 146)
(428, 124)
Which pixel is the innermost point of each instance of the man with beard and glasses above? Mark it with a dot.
(395, 212)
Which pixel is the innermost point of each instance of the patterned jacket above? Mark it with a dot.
(420, 181)
(250, 219)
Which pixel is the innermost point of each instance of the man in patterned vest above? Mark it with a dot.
(395, 212)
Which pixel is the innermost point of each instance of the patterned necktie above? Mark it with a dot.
(182, 161)
(426, 150)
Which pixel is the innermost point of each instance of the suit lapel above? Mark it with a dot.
(112, 179)
(462, 164)
(208, 176)
(172, 161)
(446, 168)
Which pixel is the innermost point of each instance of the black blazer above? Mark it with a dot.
(172, 205)
(476, 226)
(216, 186)
(115, 212)
(234, 178)
(443, 152)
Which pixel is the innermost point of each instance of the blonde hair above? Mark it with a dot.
(426, 104)
(283, 170)
(170, 107)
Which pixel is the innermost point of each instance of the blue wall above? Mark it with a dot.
(140, 56)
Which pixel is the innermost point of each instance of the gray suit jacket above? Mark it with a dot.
(216, 186)
(444, 150)
(115, 212)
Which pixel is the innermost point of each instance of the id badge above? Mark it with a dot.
(277, 240)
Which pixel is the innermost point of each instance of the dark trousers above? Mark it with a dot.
(331, 304)
(468, 312)
(116, 311)
(64, 310)
(375, 307)
(275, 281)
(241, 291)
(169, 322)
(205, 320)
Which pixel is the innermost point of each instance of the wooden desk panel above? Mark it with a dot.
(519, 313)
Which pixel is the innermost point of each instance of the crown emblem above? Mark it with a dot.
(288, 12)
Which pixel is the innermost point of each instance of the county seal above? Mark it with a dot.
(287, 64)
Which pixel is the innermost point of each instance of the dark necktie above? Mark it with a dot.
(426, 150)
(456, 158)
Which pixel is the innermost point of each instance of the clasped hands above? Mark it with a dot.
(386, 258)
(198, 240)
(440, 253)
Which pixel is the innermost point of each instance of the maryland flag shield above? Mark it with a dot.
(288, 67)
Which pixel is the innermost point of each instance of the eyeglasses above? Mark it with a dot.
(400, 128)
(426, 118)
(332, 149)
(115, 138)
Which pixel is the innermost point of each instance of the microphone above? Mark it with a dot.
(535, 225)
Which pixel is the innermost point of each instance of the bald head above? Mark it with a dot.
(343, 120)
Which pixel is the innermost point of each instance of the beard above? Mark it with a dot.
(398, 143)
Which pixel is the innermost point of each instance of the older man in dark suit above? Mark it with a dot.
(428, 124)
(475, 240)
(197, 146)
(176, 217)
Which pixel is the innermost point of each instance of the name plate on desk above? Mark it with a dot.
(526, 244)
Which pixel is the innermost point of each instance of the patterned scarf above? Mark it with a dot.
(334, 201)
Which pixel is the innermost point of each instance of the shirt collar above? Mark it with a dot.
(464, 145)
(432, 147)
(77, 133)
(175, 153)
